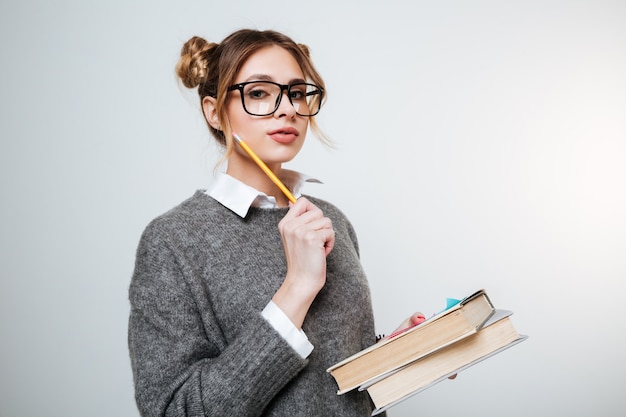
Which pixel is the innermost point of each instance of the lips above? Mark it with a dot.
(284, 135)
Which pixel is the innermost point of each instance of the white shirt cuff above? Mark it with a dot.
(294, 336)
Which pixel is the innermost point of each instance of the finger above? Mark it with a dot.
(302, 211)
(323, 229)
(316, 223)
(329, 242)
(417, 318)
(413, 320)
(302, 205)
(319, 232)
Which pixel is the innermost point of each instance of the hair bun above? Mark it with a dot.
(193, 62)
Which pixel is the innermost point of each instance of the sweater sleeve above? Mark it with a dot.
(182, 364)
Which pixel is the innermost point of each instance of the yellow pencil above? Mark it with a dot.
(265, 168)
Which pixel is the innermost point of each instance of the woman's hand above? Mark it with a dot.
(308, 237)
(412, 321)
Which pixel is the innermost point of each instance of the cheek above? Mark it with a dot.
(238, 119)
(301, 140)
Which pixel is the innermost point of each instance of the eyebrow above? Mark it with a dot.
(265, 77)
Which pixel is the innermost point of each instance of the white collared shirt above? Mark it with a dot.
(239, 197)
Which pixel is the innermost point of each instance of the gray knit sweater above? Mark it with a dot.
(198, 343)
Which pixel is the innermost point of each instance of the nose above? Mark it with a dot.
(285, 108)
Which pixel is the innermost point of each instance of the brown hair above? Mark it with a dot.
(212, 68)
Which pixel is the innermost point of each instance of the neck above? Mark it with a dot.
(248, 172)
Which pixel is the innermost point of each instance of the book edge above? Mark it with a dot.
(382, 375)
(379, 410)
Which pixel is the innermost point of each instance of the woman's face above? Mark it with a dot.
(278, 137)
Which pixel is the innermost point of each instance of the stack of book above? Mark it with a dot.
(468, 332)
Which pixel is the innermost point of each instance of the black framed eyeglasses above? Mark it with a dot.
(262, 98)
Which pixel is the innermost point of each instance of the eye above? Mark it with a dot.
(297, 92)
(258, 91)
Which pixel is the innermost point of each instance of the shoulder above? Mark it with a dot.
(198, 205)
(167, 238)
(190, 214)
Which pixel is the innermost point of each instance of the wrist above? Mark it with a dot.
(294, 299)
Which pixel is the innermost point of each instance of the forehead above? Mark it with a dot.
(271, 62)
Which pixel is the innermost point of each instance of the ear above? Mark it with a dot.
(210, 112)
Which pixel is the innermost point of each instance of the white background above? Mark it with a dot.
(480, 144)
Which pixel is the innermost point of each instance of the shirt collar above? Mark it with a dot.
(239, 197)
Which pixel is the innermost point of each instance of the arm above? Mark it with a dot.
(181, 362)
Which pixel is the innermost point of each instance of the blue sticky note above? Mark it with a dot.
(451, 302)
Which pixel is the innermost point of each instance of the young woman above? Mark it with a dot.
(240, 301)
